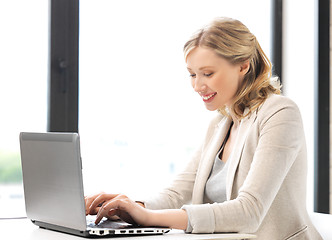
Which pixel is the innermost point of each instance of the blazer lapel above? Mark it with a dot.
(208, 157)
(237, 151)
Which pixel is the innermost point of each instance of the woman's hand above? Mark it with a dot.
(114, 206)
(88, 202)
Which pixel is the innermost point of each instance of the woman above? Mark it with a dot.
(250, 173)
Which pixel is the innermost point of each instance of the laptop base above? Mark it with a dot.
(61, 229)
(100, 232)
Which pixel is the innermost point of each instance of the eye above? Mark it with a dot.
(208, 74)
(192, 75)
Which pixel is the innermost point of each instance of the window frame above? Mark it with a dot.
(322, 109)
(63, 66)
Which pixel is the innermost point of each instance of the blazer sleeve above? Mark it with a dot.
(280, 139)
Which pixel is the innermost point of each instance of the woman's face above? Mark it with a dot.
(214, 78)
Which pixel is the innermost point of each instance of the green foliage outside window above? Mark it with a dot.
(10, 167)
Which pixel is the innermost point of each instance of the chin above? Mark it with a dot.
(211, 108)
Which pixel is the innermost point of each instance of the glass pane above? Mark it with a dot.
(295, 24)
(23, 90)
(140, 120)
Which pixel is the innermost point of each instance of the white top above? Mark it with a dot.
(215, 188)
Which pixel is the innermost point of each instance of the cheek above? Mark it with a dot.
(223, 82)
(192, 82)
(233, 81)
(227, 83)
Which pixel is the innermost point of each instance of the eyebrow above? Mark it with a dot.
(201, 68)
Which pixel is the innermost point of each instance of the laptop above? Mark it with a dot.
(53, 188)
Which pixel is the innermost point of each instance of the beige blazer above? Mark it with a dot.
(266, 178)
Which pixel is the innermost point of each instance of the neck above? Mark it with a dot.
(235, 119)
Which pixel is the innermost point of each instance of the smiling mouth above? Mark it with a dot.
(208, 97)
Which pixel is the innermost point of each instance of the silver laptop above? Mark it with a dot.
(53, 188)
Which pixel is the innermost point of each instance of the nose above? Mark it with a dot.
(198, 84)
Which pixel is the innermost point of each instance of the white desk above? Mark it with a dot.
(23, 229)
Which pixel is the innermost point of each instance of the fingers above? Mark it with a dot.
(93, 203)
(100, 200)
(112, 217)
(97, 202)
(113, 207)
(88, 201)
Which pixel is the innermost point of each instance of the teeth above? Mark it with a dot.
(208, 97)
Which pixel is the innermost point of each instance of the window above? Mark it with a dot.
(295, 23)
(23, 90)
(139, 118)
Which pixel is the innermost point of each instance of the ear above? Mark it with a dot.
(244, 67)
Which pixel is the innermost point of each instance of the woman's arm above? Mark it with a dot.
(110, 205)
(172, 218)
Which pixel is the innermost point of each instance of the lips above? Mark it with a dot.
(209, 97)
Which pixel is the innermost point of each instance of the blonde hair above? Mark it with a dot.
(232, 40)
